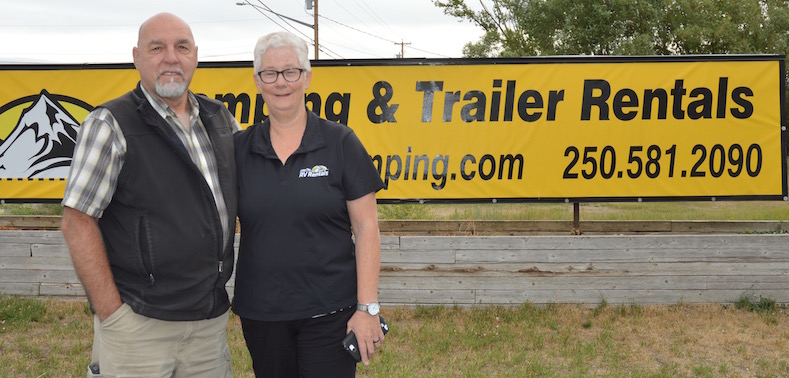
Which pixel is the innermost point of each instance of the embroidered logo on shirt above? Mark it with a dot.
(316, 171)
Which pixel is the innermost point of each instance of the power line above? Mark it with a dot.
(285, 20)
(375, 15)
(323, 47)
(355, 29)
(429, 52)
(264, 6)
(379, 37)
(362, 21)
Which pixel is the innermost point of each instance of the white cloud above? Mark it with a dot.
(93, 31)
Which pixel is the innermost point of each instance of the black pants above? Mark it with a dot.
(300, 348)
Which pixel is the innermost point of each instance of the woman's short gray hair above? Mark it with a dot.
(282, 39)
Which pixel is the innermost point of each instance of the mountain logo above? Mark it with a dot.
(38, 134)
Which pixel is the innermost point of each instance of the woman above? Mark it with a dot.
(305, 186)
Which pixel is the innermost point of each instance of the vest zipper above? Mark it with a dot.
(146, 251)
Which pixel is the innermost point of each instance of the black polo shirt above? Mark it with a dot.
(296, 257)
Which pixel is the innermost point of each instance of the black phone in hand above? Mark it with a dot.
(352, 346)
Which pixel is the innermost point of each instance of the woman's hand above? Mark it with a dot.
(368, 333)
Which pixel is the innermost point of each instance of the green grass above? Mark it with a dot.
(44, 338)
(764, 306)
(725, 210)
(18, 313)
(53, 339)
(31, 209)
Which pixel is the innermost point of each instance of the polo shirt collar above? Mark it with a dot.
(311, 141)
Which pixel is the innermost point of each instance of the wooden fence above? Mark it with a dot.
(503, 270)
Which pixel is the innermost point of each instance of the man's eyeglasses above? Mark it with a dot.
(289, 74)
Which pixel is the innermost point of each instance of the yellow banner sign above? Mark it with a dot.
(559, 129)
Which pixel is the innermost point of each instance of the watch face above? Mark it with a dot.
(373, 308)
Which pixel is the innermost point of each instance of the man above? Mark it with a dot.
(149, 216)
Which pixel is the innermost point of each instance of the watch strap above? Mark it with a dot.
(366, 307)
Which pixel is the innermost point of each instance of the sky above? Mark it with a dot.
(105, 31)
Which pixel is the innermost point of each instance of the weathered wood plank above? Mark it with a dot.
(49, 250)
(717, 227)
(33, 263)
(780, 268)
(605, 242)
(505, 227)
(14, 249)
(657, 254)
(31, 236)
(390, 242)
(390, 296)
(463, 270)
(748, 283)
(423, 243)
(621, 297)
(430, 256)
(556, 282)
(65, 290)
(553, 227)
(26, 289)
(515, 227)
(38, 276)
(31, 221)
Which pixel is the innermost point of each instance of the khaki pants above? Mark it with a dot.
(130, 345)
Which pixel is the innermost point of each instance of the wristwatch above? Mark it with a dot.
(371, 308)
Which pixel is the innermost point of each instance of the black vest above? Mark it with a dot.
(162, 230)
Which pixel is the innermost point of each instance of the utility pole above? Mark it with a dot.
(313, 4)
(402, 44)
(309, 6)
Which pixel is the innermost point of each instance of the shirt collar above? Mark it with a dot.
(311, 141)
(164, 110)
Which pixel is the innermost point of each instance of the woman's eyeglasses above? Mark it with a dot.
(289, 74)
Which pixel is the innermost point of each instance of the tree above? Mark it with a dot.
(624, 27)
